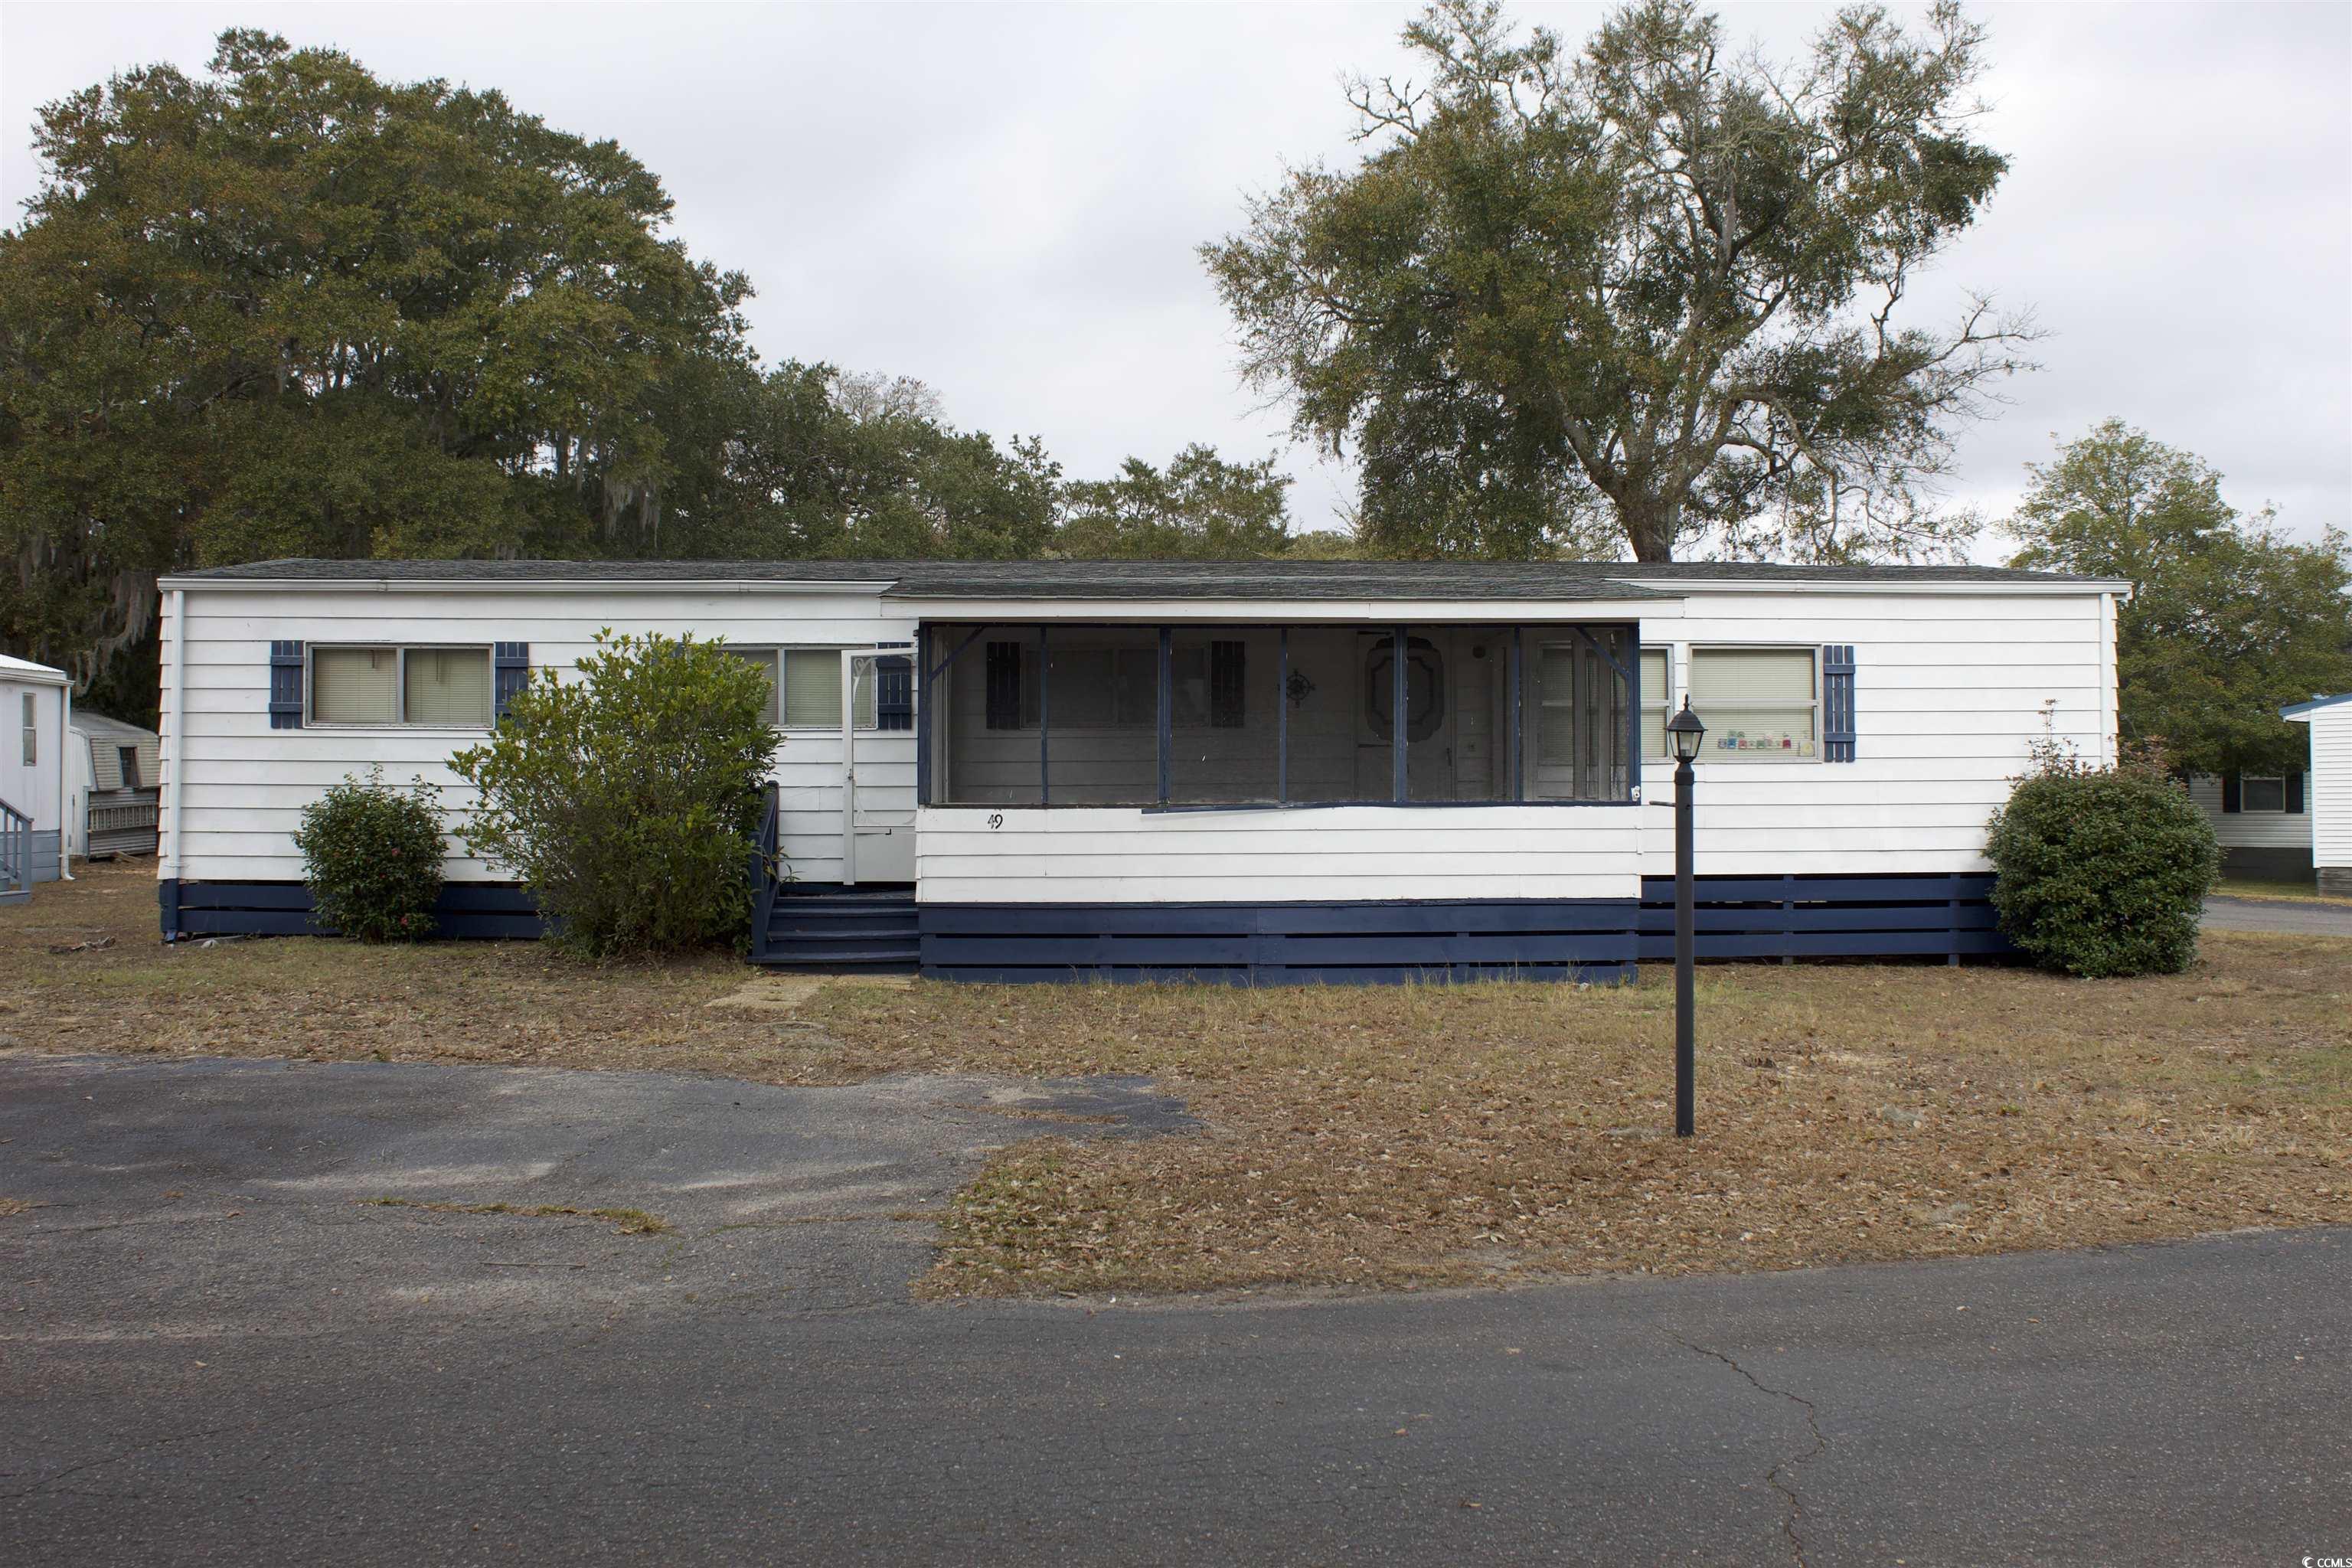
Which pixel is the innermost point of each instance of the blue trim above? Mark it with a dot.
(1515, 742)
(1634, 720)
(1164, 736)
(923, 724)
(509, 674)
(1335, 805)
(1838, 736)
(1400, 719)
(285, 685)
(1275, 944)
(2297, 709)
(1045, 720)
(1891, 915)
(1281, 716)
(464, 910)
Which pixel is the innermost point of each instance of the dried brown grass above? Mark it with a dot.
(1400, 1137)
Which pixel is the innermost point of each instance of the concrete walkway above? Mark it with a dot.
(215, 1348)
(2282, 915)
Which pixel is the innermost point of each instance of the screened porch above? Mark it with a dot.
(1192, 717)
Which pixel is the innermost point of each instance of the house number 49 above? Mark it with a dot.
(997, 819)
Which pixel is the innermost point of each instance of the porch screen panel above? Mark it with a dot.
(1458, 730)
(1572, 705)
(1334, 756)
(1102, 715)
(1224, 721)
(987, 706)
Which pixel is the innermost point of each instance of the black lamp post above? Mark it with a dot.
(1685, 732)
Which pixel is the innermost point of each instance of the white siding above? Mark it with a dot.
(1951, 689)
(1950, 693)
(34, 790)
(244, 784)
(2330, 786)
(2252, 829)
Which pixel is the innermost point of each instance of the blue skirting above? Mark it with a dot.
(1272, 944)
(464, 910)
(1934, 915)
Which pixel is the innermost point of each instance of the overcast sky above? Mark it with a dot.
(1004, 200)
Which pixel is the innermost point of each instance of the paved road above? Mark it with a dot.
(2282, 915)
(212, 1352)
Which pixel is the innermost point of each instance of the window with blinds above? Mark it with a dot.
(1758, 704)
(804, 687)
(355, 686)
(442, 688)
(447, 686)
(1657, 701)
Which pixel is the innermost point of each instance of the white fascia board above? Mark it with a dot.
(1294, 612)
(520, 586)
(1887, 587)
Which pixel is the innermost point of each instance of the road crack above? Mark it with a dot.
(1780, 1477)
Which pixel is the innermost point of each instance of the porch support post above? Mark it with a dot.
(1045, 718)
(1397, 722)
(1281, 719)
(1167, 709)
(1514, 734)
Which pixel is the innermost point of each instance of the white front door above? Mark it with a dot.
(877, 769)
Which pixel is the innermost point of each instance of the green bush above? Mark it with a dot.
(372, 855)
(628, 800)
(2102, 871)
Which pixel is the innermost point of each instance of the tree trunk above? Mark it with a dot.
(1651, 523)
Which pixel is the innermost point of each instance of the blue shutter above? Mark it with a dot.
(1227, 673)
(2230, 793)
(894, 693)
(509, 673)
(2294, 792)
(1837, 703)
(285, 685)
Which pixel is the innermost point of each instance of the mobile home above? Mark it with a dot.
(2329, 787)
(1245, 771)
(35, 700)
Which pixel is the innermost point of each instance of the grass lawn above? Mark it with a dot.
(1393, 1136)
(2302, 890)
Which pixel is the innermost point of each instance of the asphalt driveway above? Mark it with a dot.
(2280, 915)
(215, 1348)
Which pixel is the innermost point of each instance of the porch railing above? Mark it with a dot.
(765, 869)
(15, 853)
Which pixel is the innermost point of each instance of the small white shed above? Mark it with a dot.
(35, 700)
(2330, 787)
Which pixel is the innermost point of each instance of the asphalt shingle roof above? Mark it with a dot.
(1142, 579)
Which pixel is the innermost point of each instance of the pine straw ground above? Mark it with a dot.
(1394, 1137)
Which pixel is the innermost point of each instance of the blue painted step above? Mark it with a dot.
(868, 931)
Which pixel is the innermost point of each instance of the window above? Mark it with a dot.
(2260, 792)
(31, 734)
(1657, 701)
(1758, 704)
(808, 697)
(445, 687)
(127, 759)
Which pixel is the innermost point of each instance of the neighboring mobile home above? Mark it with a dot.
(114, 775)
(34, 701)
(2262, 821)
(2330, 791)
(1256, 770)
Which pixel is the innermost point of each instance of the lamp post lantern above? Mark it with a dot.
(1686, 734)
